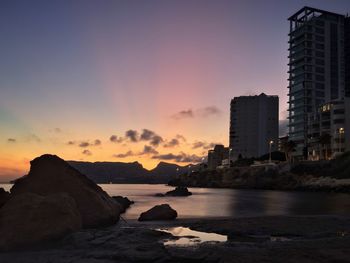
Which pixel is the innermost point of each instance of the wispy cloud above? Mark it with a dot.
(32, 138)
(151, 136)
(180, 158)
(184, 114)
(172, 143)
(200, 112)
(11, 140)
(97, 142)
(149, 150)
(87, 152)
(116, 139)
(208, 111)
(203, 144)
(84, 144)
(132, 135)
(123, 155)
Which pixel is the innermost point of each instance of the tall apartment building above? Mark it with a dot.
(317, 75)
(253, 125)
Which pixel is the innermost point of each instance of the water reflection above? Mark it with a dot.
(188, 237)
(220, 203)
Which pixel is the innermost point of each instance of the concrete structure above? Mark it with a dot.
(253, 125)
(317, 57)
(281, 142)
(216, 156)
(326, 131)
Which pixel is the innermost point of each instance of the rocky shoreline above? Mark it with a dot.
(280, 177)
(262, 239)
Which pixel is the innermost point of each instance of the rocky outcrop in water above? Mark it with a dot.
(124, 202)
(179, 191)
(28, 219)
(50, 174)
(159, 212)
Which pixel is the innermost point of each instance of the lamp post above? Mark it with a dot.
(341, 131)
(229, 157)
(270, 145)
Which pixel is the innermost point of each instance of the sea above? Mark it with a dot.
(229, 203)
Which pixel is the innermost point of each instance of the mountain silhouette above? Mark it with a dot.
(134, 172)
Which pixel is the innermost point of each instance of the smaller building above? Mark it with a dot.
(326, 131)
(253, 125)
(281, 142)
(217, 155)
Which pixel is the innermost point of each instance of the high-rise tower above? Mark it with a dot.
(316, 68)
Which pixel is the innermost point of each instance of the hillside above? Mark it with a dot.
(119, 172)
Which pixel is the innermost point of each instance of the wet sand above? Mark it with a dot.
(259, 239)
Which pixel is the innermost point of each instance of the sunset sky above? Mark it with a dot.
(143, 81)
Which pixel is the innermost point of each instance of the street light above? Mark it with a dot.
(341, 131)
(270, 145)
(229, 157)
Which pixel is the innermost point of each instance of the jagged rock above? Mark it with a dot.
(28, 219)
(159, 212)
(179, 191)
(4, 196)
(50, 174)
(124, 202)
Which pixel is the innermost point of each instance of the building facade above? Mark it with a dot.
(326, 131)
(217, 155)
(317, 76)
(253, 125)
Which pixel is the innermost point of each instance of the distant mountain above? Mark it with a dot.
(119, 172)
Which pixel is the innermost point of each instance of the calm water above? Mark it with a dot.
(207, 202)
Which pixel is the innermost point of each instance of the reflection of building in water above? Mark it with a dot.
(217, 156)
(326, 130)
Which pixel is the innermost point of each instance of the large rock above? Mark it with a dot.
(4, 196)
(28, 219)
(50, 174)
(124, 202)
(159, 212)
(179, 191)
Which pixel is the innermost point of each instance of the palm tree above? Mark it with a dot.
(324, 141)
(288, 147)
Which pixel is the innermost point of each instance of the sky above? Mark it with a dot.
(129, 80)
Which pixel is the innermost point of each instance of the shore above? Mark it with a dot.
(259, 239)
(302, 177)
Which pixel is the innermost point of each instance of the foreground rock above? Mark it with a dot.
(50, 174)
(318, 239)
(159, 212)
(28, 219)
(179, 191)
(124, 202)
(4, 196)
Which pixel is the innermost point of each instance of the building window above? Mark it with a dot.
(319, 85)
(338, 121)
(319, 62)
(319, 46)
(319, 70)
